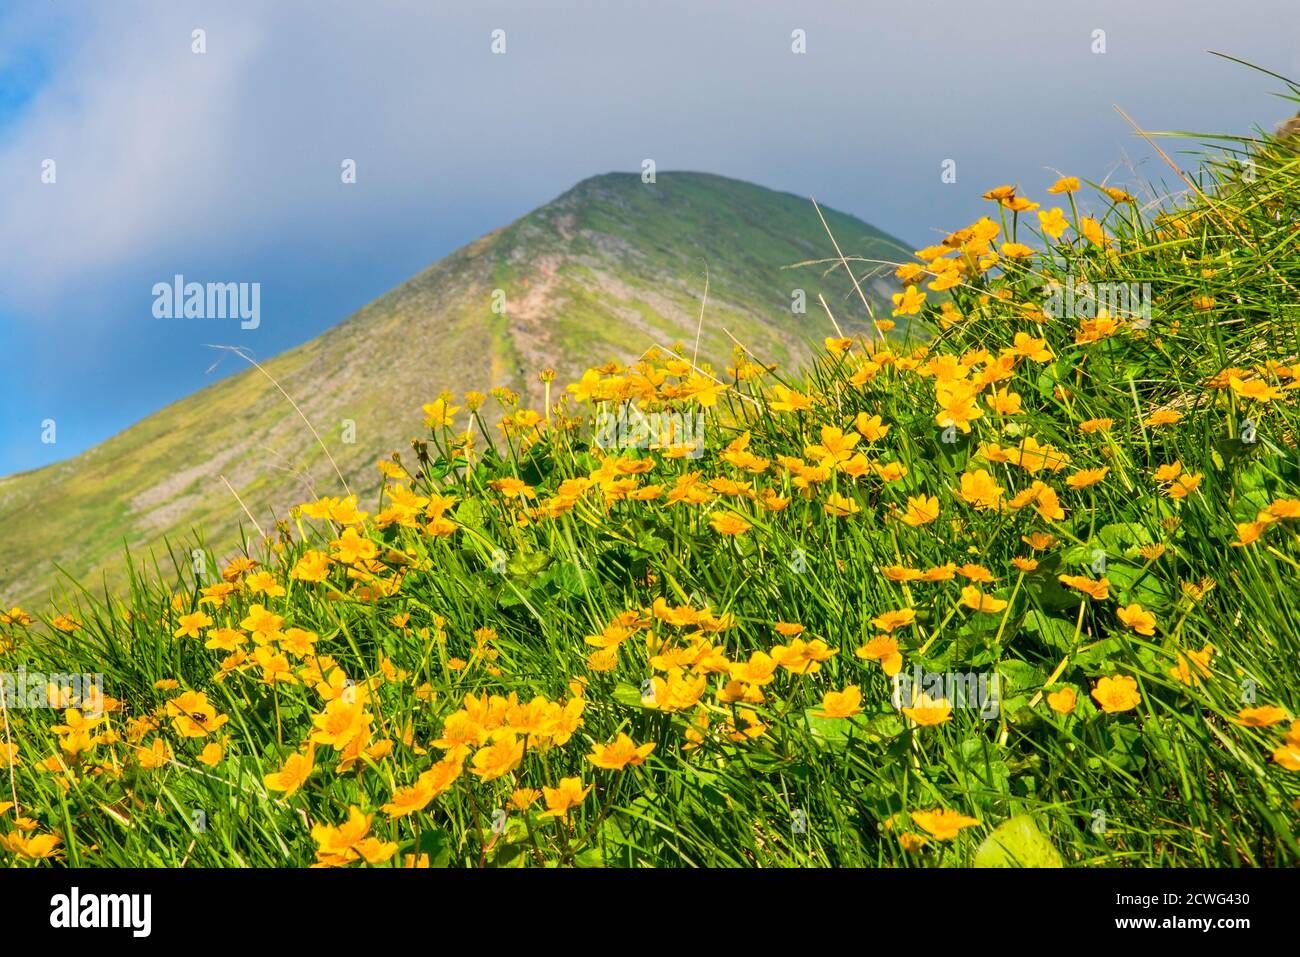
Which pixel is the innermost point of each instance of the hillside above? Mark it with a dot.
(1013, 596)
(605, 271)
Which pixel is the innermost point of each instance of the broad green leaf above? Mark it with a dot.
(1017, 842)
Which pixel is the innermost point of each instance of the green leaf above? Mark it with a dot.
(828, 732)
(1017, 842)
(571, 580)
(437, 844)
(591, 857)
(629, 695)
(1055, 633)
(469, 513)
(1120, 536)
(1130, 584)
(528, 564)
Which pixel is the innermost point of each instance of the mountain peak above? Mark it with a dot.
(606, 270)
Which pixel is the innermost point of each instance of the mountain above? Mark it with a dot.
(607, 270)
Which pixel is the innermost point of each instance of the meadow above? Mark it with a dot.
(1007, 582)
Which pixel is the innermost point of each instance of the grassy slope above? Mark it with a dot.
(1175, 772)
(627, 261)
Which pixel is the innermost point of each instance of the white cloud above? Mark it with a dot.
(133, 120)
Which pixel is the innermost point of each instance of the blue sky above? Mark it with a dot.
(225, 166)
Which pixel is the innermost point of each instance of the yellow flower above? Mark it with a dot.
(920, 510)
(803, 657)
(237, 566)
(603, 660)
(36, 847)
(729, 523)
(870, 426)
(703, 390)
(560, 801)
(884, 649)
(1053, 222)
(1248, 533)
(912, 842)
(275, 666)
(427, 786)
(1086, 477)
(842, 704)
(438, 414)
(522, 798)
(342, 721)
(189, 625)
(1136, 617)
(1192, 666)
(1116, 694)
(154, 756)
(787, 400)
(262, 624)
(1255, 390)
(297, 768)
(1285, 508)
(835, 446)
(1184, 485)
(265, 583)
(619, 754)
(678, 692)
(976, 600)
(1092, 231)
(893, 620)
(1099, 589)
(840, 506)
(1264, 716)
(349, 842)
(1288, 755)
(908, 302)
(758, 670)
(16, 616)
(409, 800)
(1066, 184)
(350, 548)
(313, 566)
(980, 489)
(1062, 701)
(499, 759)
(193, 716)
(927, 711)
(957, 404)
(943, 824)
